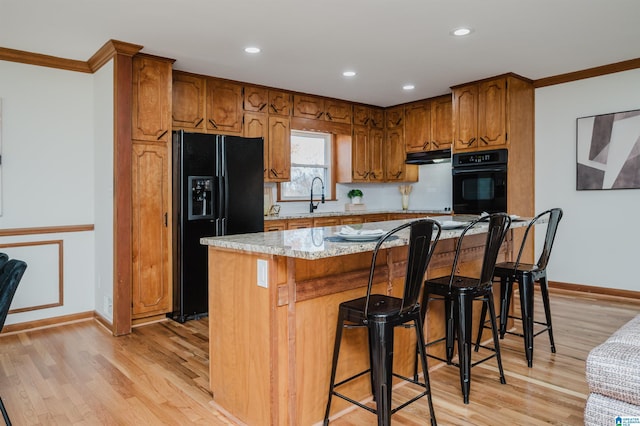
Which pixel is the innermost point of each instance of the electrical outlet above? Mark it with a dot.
(263, 273)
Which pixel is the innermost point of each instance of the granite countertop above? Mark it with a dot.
(351, 213)
(322, 242)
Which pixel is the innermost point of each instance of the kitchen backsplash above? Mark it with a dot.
(431, 192)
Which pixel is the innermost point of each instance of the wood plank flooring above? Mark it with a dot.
(80, 374)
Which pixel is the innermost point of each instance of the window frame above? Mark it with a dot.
(330, 165)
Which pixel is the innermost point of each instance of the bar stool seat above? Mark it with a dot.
(380, 314)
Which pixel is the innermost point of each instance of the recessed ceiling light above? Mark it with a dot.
(462, 31)
(408, 87)
(349, 73)
(252, 49)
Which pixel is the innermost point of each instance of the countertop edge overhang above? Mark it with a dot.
(352, 213)
(312, 243)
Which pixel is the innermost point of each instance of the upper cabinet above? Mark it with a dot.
(368, 116)
(151, 106)
(317, 108)
(428, 124)
(206, 105)
(484, 112)
(395, 169)
(267, 115)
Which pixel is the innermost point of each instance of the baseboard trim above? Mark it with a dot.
(47, 323)
(593, 290)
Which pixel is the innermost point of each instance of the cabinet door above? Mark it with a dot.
(188, 101)
(338, 111)
(492, 100)
(395, 155)
(256, 125)
(465, 117)
(326, 221)
(256, 99)
(151, 280)
(299, 223)
(417, 127)
(275, 225)
(441, 122)
(394, 117)
(151, 120)
(361, 115)
(279, 166)
(360, 154)
(308, 107)
(224, 107)
(279, 102)
(376, 155)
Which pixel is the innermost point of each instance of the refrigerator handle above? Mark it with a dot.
(224, 190)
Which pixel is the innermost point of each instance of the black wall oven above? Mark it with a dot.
(480, 182)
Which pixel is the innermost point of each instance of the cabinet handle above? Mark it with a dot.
(319, 115)
(472, 140)
(425, 145)
(397, 175)
(435, 144)
(329, 117)
(262, 107)
(273, 107)
(274, 173)
(366, 121)
(372, 175)
(213, 123)
(484, 140)
(399, 121)
(373, 123)
(198, 123)
(166, 219)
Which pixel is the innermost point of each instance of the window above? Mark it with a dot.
(310, 158)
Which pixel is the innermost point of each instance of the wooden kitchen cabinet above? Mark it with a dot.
(367, 154)
(275, 225)
(299, 223)
(188, 102)
(151, 103)
(394, 117)
(224, 107)
(317, 108)
(151, 236)
(367, 116)
(380, 217)
(479, 115)
(395, 168)
(276, 132)
(428, 124)
(417, 130)
(326, 221)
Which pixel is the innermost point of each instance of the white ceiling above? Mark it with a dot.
(306, 44)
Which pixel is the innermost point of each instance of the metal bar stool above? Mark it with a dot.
(11, 272)
(526, 275)
(380, 314)
(459, 292)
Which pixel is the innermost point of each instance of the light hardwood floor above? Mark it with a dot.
(80, 374)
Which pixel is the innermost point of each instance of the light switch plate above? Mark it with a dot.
(263, 273)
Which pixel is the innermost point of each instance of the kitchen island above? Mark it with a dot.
(273, 305)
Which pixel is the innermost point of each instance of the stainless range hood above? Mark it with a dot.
(429, 157)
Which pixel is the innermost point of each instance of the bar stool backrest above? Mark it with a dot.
(555, 215)
(421, 246)
(499, 223)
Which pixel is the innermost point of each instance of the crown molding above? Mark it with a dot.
(23, 57)
(109, 50)
(588, 73)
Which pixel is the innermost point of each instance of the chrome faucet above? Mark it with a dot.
(312, 206)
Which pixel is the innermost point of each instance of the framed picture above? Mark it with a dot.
(608, 151)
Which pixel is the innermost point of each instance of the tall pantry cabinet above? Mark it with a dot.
(151, 188)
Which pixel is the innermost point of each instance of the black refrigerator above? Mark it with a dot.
(217, 190)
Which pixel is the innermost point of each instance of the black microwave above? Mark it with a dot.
(479, 182)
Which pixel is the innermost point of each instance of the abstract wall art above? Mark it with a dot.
(608, 151)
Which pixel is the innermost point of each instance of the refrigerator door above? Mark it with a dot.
(196, 215)
(242, 185)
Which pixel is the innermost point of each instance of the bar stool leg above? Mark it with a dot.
(334, 364)
(494, 332)
(381, 368)
(425, 368)
(462, 308)
(506, 289)
(450, 333)
(547, 310)
(526, 305)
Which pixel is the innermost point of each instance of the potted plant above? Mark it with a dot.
(355, 195)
